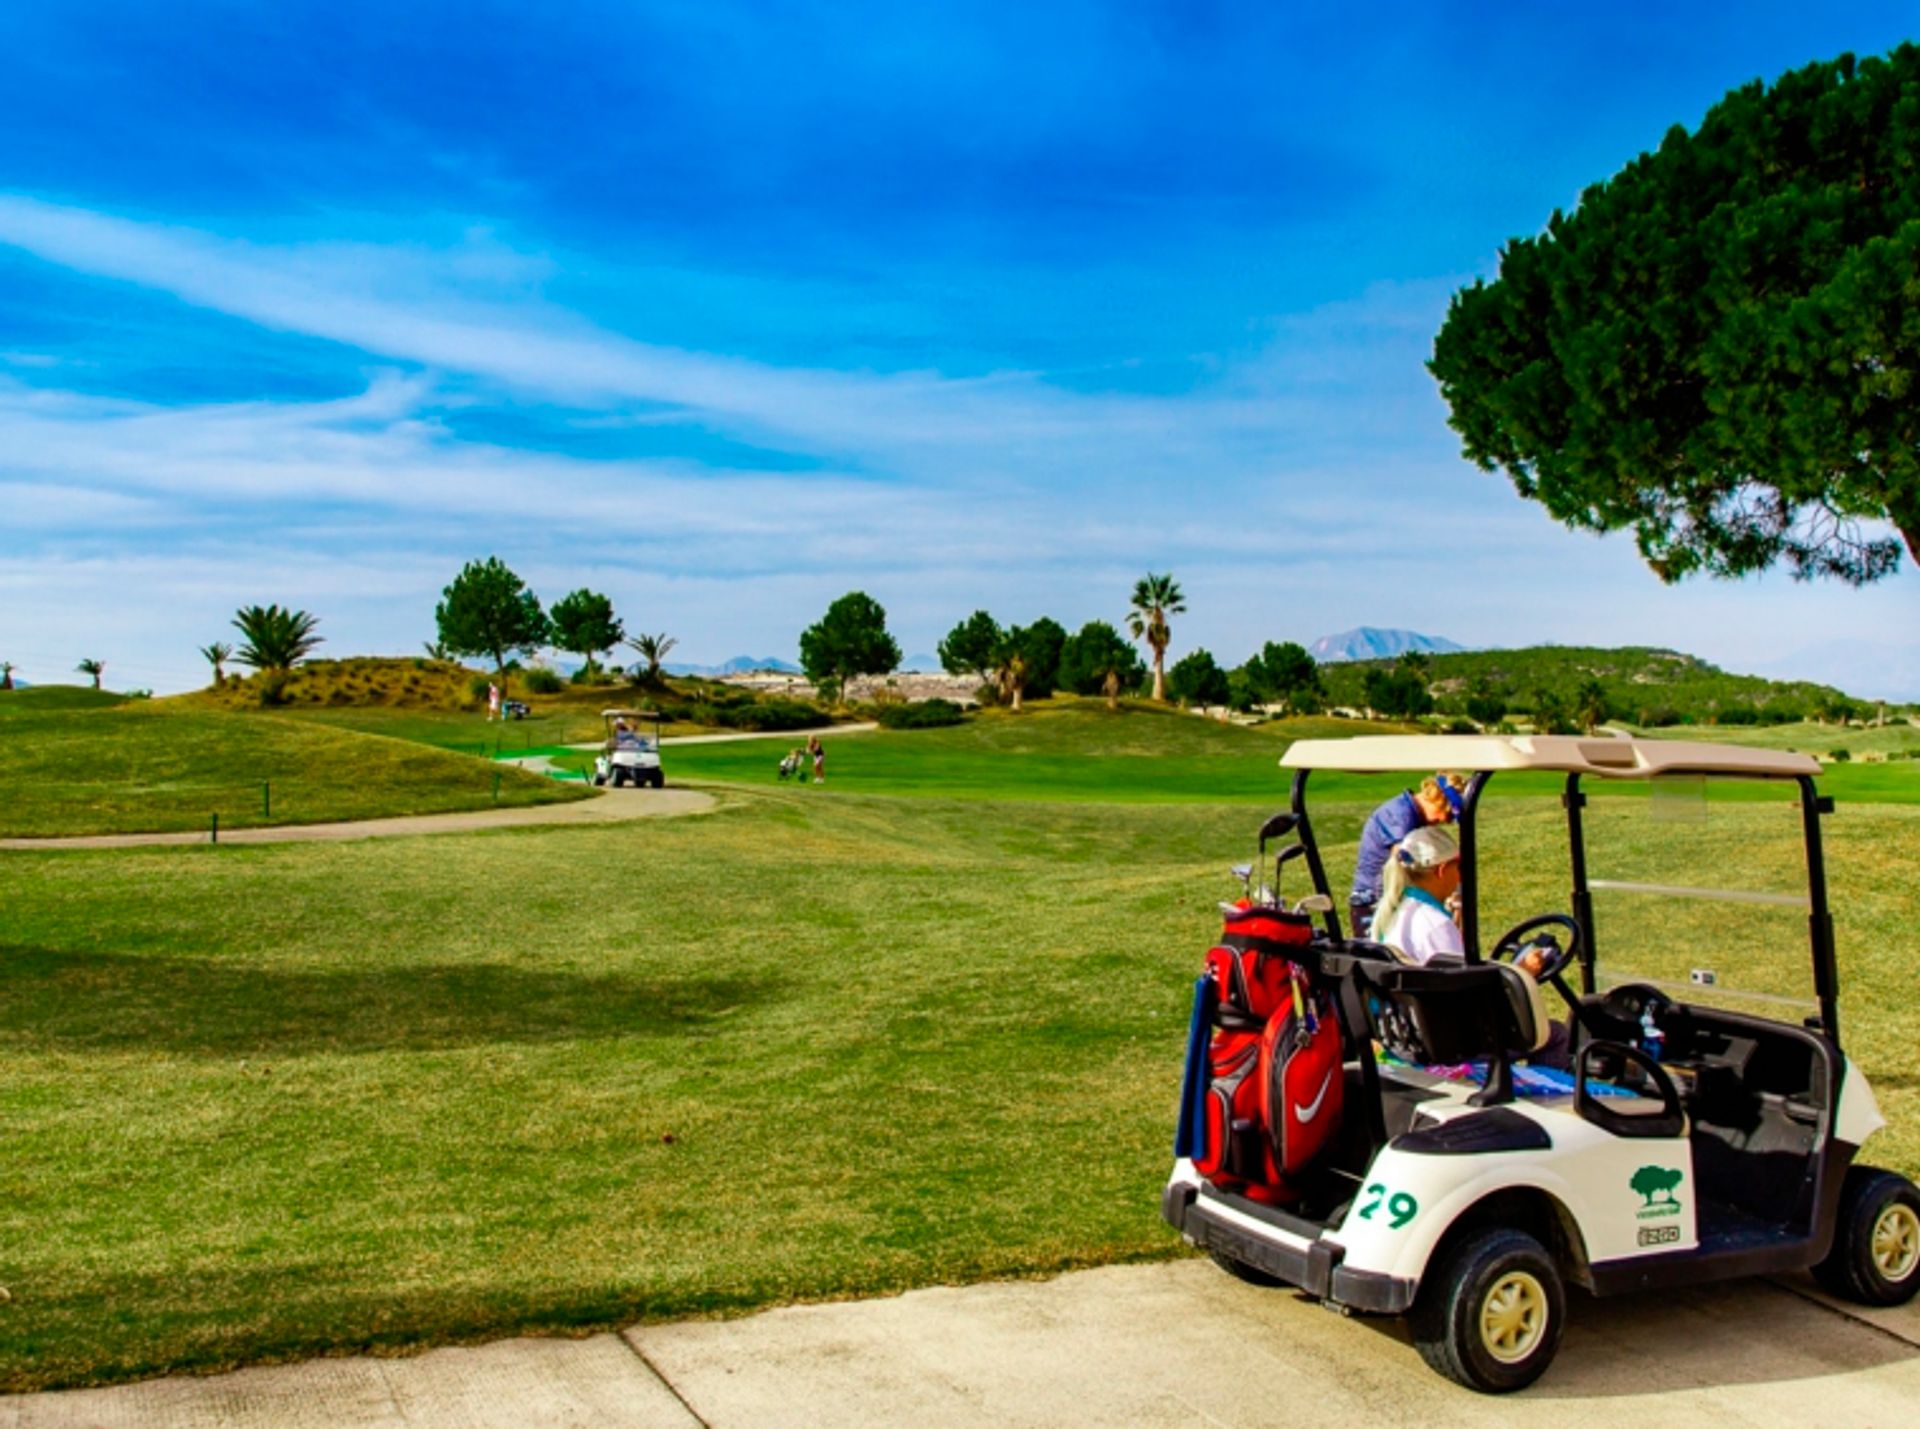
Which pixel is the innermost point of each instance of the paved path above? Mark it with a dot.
(1173, 1344)
(614, 806)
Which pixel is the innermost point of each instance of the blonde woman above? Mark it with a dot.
(1416, 912)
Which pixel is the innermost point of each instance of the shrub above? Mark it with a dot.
(1840, 756)
(541, 681)
(922, 714)
(774, 715)
(270, 687)
(1462, 726)
(478, 686)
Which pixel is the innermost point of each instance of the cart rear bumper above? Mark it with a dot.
(1283, 1246)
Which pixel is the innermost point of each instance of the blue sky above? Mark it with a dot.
(727, 309)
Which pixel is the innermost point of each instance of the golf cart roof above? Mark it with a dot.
(1565, 753)
(629, 714)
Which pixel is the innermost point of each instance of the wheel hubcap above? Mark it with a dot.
(1513, 1317)
(1896, 1242)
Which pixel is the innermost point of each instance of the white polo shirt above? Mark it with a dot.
(1422, 929)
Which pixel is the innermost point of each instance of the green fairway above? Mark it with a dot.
(1080, 751)
(1071, 750)
(144, 767)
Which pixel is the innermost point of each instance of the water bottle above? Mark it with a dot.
(1651, 1037)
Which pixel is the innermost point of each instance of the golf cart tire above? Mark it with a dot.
(659, 780)
(1240, 1270)
(1449, 1319)
(1875, 1206)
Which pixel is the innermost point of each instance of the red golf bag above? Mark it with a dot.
(1269, 1090)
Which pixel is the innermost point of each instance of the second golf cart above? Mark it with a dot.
(1684, 1141)
(630, 756)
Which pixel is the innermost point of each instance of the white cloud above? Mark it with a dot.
(1309, 488)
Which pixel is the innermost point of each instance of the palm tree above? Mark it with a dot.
(1110, 687)
(95, 668)
(1154, 599)
(276, 639)
(6, 674)
(217, 655)
(1013, 677)
(653, 649)
(436, 649)
(1590, 705)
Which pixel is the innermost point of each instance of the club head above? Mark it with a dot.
(1288, 854)
(1278, 826)
(1242, 871)
(1314, 903)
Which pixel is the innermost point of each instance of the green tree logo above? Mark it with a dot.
(1651, 1181)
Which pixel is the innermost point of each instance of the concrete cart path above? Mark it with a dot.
(1170, 1344)
(613, 806)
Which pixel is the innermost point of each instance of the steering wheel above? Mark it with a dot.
(1559, 957)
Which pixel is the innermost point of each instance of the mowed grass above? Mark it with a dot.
(142, 767)
(1078, 750)
(1060, 750)
(268, 1102)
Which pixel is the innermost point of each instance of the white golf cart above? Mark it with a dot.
(1685, 1142)
(630, 757)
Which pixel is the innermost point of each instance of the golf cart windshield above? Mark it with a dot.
(624, 730)
(1700, 888)
(1693, 868)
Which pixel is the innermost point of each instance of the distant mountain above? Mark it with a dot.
(738, 665)
(921, 665)
(1365, 642)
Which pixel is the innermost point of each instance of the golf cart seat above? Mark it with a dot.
(1449, 1012)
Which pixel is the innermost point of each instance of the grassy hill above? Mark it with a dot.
(1644, 685)
(52, 699)
(101, 765)
(441, 703)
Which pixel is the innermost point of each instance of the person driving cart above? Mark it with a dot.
(624, 736)
(1436, 801)
(1417, 912)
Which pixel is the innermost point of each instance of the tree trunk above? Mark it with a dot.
(1017, 690)
(1902, 510)
(1111, 688)
(1159, 676)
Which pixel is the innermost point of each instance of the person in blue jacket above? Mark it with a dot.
(1436, 801)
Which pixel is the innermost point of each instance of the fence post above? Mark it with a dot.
(266, 799)
(214, 834)
(496, 786)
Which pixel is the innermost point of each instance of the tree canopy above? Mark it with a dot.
(1284, 673)
(1038, 646)
(1719, 347)
(584, 624)
(971, 646)
(488, 610)
(274, 639)
(1197, 679)
(1093, 654)
(850, 639)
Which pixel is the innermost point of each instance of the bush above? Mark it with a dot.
(478, 686)
(270, 687)
(774, 715)
(922, 714)
(541, 681)
(1840, 756)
